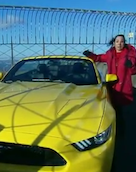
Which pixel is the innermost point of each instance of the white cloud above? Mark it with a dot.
(9, 21)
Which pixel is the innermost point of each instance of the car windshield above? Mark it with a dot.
(65, 70)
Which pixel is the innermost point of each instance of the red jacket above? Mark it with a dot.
(122, 90)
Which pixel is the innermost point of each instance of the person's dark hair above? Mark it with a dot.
(111, 42)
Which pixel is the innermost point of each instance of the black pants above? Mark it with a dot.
(120, 133)
(120, 122)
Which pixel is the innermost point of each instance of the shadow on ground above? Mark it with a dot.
(125, 151)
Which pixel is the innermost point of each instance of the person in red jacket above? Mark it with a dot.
(121, 60)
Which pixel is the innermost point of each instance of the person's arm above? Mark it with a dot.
(95, 57)
(131, 64)
(131, 61)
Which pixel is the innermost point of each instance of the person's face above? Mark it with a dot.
(119, 43)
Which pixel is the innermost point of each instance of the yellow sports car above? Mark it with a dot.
(56, 116)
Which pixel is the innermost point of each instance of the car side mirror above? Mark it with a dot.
(111, 78)
(1, 75)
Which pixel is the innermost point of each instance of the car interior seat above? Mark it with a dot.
(78, 68)
(43, 69)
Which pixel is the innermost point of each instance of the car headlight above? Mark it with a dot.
(94, 141)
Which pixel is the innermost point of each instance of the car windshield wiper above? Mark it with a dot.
(11, 81)
(48, 80)
(58, 81)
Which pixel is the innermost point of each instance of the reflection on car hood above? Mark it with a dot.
(31, 111)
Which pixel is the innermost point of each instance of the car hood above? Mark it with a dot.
(33, 112)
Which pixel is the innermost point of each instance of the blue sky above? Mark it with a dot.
(108, 5)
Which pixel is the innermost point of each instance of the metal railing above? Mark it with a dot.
(32, 31)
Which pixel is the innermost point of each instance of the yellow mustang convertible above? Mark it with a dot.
(56, 116)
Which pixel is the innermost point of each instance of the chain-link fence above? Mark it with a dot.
(29, 31)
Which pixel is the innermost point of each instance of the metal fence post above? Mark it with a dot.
(43, 48)
(65, 49)
(12, 53)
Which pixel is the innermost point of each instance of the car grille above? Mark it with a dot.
(29, 155)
